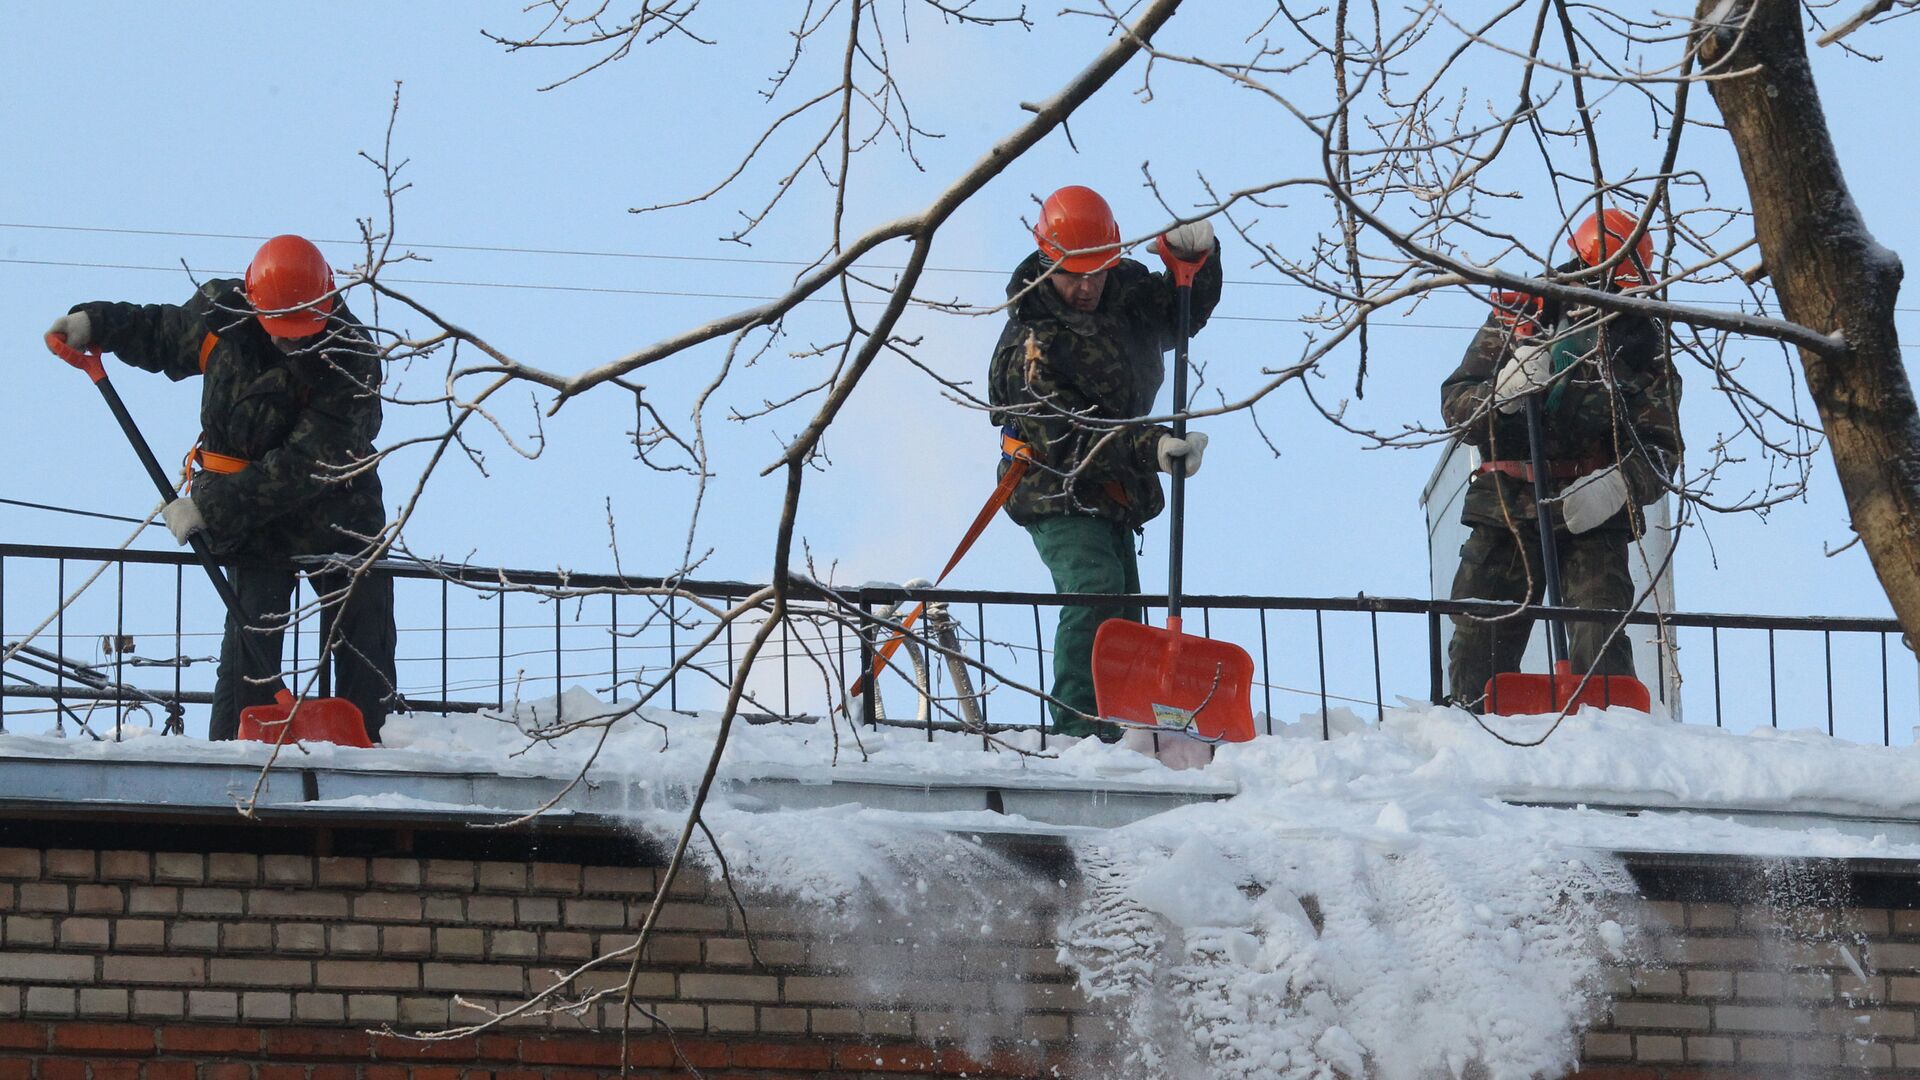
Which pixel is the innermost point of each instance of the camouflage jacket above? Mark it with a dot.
(1106, 364)
(1617, 400)
(290, 417)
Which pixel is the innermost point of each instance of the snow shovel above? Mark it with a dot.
(1515, 693)
(322, 719)
(1166, 680)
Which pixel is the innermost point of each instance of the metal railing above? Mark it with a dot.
(481, 638)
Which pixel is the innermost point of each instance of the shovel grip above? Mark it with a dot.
(1182, 270)
(87, 360)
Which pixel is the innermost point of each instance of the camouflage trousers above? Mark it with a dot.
(1494, 565)
(363, 666)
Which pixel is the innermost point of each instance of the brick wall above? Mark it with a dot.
(150, 962)
(230, 965)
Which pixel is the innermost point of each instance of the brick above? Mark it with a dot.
(1660, 982)
(887, 1022)
(1710, 1048)
(571, 1052)
(537, 910)
(1773, 1020)
(266, 1005)
(1610, 1046)
(338, 870)
(366, 974)
(424, 1011)
(497, 977)
(62, 1069)
(461, 944)
(213, 1005)
(830, 989)
(1709, 984)
(1868, 1023)
(1859, 1055)
(209, 1041)
(888, 1059)
(1893, 956)
(9, 894)
(727, 952)
(450, 874)
(9, 1001)
(212, 901)
(99, 899)
(85, 933)
(223, 971)
(372, 1008)
(194, 936)
(673, 949)
(295, 1043)
(555, 878)
(300, 938)
(563, 945)
(1658, 1048)
(77, 865)
(246, 937)
(793, 1056)
(179, 866)
(1710, 952)
(168, 1070)
(297, 904)
(165, 1004)
(320, 1008)
(730, 1018)
(45, 967)
(51, 1001)
(1854, 991)
(135, 934)
(387, 907)
(502, 876)
(286, 870)
(233, 867)
(1821, 1053)
(153, 900)
(1760, 984)
(444, 909)
(730, 987)
(353, 939)
(406, 941)
(490, 909)
(104, 1001)
(19, 1036)
(514, 945)
(226, 1072)
(783, 1021)
(29, 931)
(691, 917)
(126, 865)
(619, 880)
(394, 872)
(104, 1038)
(43, 896)
(599, 913)
(19, 863)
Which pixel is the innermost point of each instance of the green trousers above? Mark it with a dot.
(1085, 555)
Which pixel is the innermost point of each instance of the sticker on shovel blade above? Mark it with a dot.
(1172, 717)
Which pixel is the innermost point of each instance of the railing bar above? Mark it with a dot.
(1436, 668)
(786, 666)
(1266, 671)
(559, 686)
(500, 656)
(1040, 667)
(613, 641)
(1716, 678)
(1320, 645)
(179, 636)
(1827, 646)
(1773, 693)
(1379, 696)
(444, 647)
(119, 644)
(60, 636)
(673, 651)
(1886, 707)
(980, 695)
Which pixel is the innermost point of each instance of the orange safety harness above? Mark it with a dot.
(1019, 456)
(1558, 470)
(200, 459)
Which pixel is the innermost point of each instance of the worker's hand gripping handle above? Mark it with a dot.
(1182, 270)
(87, 360)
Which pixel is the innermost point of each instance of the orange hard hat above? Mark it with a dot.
(1077, 219)
(1594, 249)
(286, 274)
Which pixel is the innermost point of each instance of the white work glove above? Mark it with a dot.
(183, 519)
(1191, 241)
(75, 328)
(1187, 451)
(1588, 502)
(1526, 371)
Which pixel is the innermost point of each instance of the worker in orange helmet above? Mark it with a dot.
(1610, 402)
(289, 408)
(1086, 336)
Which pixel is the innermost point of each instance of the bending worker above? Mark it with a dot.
(289, 407)
(1610, 418)
(1083, 352)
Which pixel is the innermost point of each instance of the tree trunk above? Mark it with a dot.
(1830, 275)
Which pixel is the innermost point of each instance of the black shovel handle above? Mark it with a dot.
(88, 360)
(1182, 271)
(1549, 547)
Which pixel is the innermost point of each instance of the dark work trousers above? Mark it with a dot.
(363, 671)
(1496, 566)
(1085, 555)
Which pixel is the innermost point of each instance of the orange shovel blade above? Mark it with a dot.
(332, 720)
(1515, 693)
(1163, 678)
